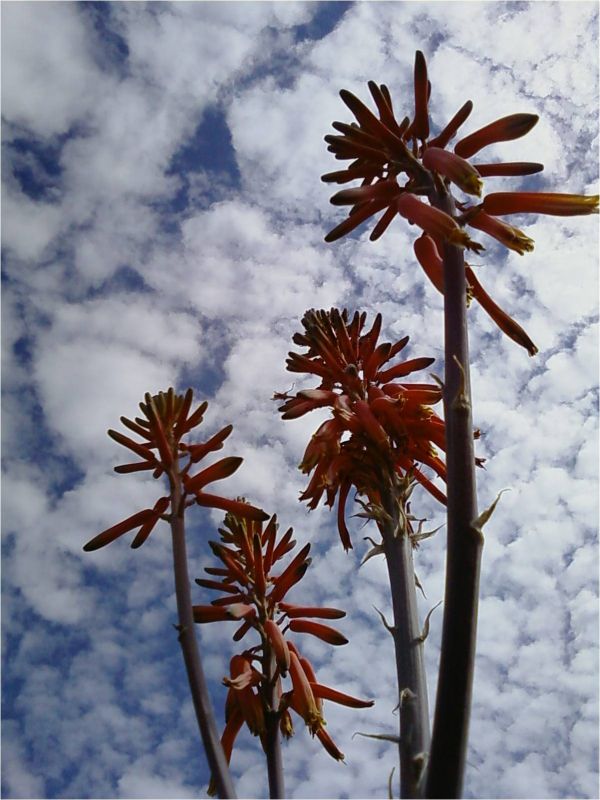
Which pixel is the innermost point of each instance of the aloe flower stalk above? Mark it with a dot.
(382, 437)
(405, 172)
(254, 586)
(166, 420)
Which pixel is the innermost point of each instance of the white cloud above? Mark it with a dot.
(96, 690)
(29, 227)
(48, 79)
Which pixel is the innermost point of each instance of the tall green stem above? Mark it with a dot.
(457, 660)
(189, 646)
(410, 668)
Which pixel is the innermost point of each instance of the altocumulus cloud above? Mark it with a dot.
(163, 222)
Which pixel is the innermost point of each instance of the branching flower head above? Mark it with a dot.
(253, 585)
(166, 420)
(403, 171)
(380, 428)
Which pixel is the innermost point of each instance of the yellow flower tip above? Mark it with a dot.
(455, 168)
(508, 235)
(460, 238)
(523, 244)
(473, 185)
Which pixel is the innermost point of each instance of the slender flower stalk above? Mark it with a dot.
(404, 172)
(447, 757)
(381, 437)
(255, 596)
(191, 655)
(166, 420)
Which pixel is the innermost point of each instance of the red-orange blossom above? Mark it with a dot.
(379, 424)
(401, 168)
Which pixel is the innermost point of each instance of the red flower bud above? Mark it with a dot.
(502, 130)
(507, 235)
(558, 205)
(434, 222)
(508, 168)
(216, 472)
(455, 168)
(420, 125)
(327, 693)
(323, 632)
(280, 648)
(310, 611)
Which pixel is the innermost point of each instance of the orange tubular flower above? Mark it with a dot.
(248, 551)
(302, 697)
(455, 168)
(420, 125)
(144, 520)
(508, 168)
(507, 235)
(377, 424)
(502, 130)
(557, 205)
(506, 323)
(280, 648)
(166, 420)
(400, 170)
(431, 261)
(434, 222)
(330, 745)
(442, 139)
(327, 693)
(310, 611)
(323, 632)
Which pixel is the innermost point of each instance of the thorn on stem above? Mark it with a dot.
(386, 625)
(461, 401)
(425, 632)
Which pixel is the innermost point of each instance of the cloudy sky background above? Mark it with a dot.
(163, 224)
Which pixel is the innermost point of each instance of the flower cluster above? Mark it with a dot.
(398, 163)
(166, 420)
(249, 552)
(380, 426)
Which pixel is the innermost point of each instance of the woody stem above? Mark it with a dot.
(410, 667)
(457, 659)
(189, 647)
(272, 743)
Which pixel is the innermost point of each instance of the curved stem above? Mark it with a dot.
(272, 743)
(410, 667)
(457, 659)
(189, 647)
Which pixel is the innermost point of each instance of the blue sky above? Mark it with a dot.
(163, 224)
